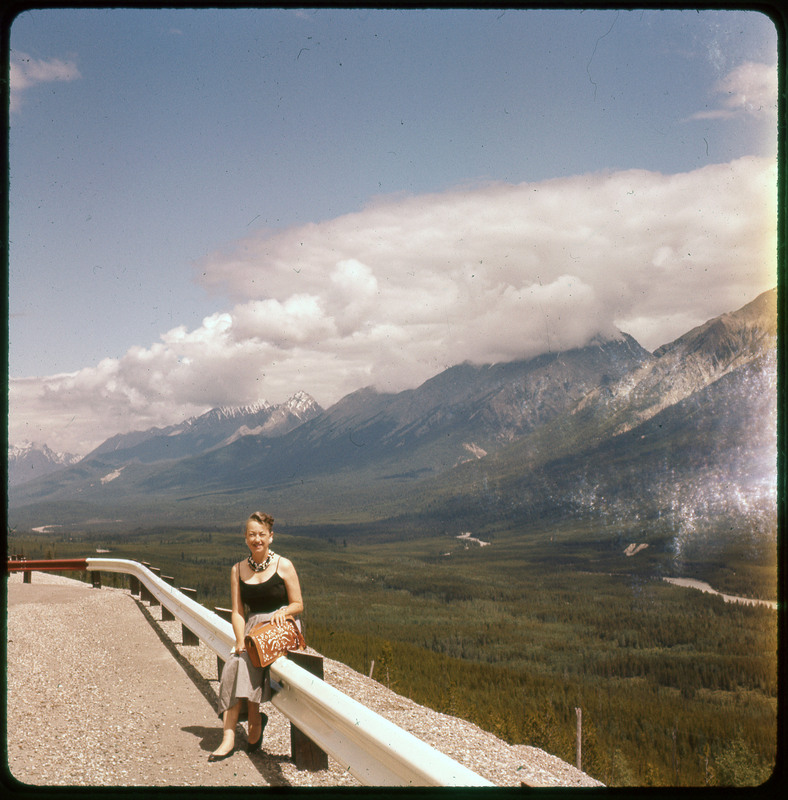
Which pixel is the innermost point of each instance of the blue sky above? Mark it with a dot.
(211, 207)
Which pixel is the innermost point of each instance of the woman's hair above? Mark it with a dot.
(263, 519)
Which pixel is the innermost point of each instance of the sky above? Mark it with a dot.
(212, 207)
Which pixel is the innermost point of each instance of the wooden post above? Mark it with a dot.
(28, 577)
(305, 753)
(189, 639)
(134, 585)
(579, 712)
(157, 572)
(96, 575)
(166, 614)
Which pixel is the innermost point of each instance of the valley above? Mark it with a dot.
(499, 541)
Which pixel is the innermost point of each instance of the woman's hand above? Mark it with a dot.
(238, 649)
(279, 616)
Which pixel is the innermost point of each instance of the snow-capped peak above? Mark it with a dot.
(300, 402)
(25, 449)
(242, 411)
(32, 460)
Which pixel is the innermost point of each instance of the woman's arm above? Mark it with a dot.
(295, 604)
(237, 617)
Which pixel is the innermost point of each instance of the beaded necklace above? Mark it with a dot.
(260, 567)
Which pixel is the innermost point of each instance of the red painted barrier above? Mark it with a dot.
(48, 565)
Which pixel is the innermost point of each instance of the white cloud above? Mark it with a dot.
(395, 293)
(748, 90)
(26, 72)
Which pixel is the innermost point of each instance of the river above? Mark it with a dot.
(691, 583)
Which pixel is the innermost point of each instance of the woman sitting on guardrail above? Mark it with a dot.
(267, 585)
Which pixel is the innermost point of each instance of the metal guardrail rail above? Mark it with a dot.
(374, 750)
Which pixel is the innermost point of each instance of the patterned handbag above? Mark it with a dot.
(266, 641)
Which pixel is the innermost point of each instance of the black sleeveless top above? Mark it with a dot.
(265, 597)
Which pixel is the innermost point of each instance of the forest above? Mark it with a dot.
(676, 687)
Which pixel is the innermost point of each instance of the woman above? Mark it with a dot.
(266, 584)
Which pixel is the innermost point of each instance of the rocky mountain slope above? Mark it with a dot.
(693, 361)
(689, 434)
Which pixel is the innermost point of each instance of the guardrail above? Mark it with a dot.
(374, 750)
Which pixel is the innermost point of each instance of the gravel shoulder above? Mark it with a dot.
(101, 692)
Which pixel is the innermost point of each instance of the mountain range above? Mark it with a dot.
(609, 428)
(31, 460)
(217, 428)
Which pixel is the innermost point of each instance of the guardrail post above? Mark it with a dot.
(224, 613)
(145, 595)
(96, 575)
(27, 575)
(188, 638)
(157, 572)
(304, 752)
(134, 585)
(166, 614)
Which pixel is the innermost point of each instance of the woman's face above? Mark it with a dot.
(258, 538)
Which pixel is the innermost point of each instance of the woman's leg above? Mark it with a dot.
(228, 730)
(255, 722)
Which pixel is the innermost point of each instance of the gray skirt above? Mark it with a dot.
(241, 680)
